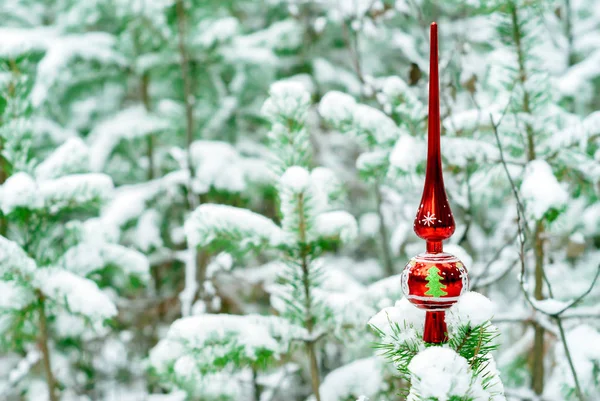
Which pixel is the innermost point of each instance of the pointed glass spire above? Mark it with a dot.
(434, 221)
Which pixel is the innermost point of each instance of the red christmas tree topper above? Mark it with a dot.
(434, 280)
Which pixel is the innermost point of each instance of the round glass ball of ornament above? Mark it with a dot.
(434, 281)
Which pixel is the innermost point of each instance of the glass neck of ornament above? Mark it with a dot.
(434, 247)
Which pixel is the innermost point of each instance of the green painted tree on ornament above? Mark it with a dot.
(434, 287)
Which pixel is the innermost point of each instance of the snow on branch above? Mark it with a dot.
(61, 50)
(337, 225)
(464, 368)
(14, 297)
(76, 294)
(14, 260)
(231, 226)
(69, 158)
(86, 258)
(131, 123)
(75, 190)
(396, 97)
(206, 343)
(329, 192)
(337, 109)
(21, 191)
(440, 374)
(472, 308)
(288, 102)
(367, 124)
(280, 35)
(129, 201)
(297, 203)
(360, 377)
(407, 153)
(17, 41)
(404, 315)
(214, 32)
(219, 165)
(287, 110)
(541, 190)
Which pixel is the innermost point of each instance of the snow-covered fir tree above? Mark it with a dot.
(463, 370)
(207, 199)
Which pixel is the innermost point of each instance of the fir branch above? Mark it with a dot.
(399, 348)
(475, 343)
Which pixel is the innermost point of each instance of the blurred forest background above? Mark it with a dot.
(208, 199)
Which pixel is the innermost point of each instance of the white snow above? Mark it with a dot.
(19, 191)
(337, 224)
(409, 318)
(394, 95)
(187, 295)
(147, 231)
(577, 80)
(288, 100)
(376, 123)
(281, 35)
(75, 190)
(61, 50)
(86, 258)
(472, 308)
(129, 201)
(372, 161)
(577, 238)
(17, 41)
(327, 73)
(541, 190)
(14, 296)
(366, 123)
(223, 262)
(211, 32)
(460, 151)
(337, 108)
(133, 122)
(208, 221)
(327, 188)
(576, 133)
(439, 373)
(296, 179)
(51, 129)
(550, 306)
(14, 260)
(71, 157)
(76, 294)
(210, 336)
(257, 171)
(368, 224)
(407, 153)
(460, 253)
(68, 325)
(383, 291)
(361, 377)
(336, 279)
(238, 53)
(583, 343)
(217, 165)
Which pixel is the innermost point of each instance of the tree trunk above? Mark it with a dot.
(43, 345)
